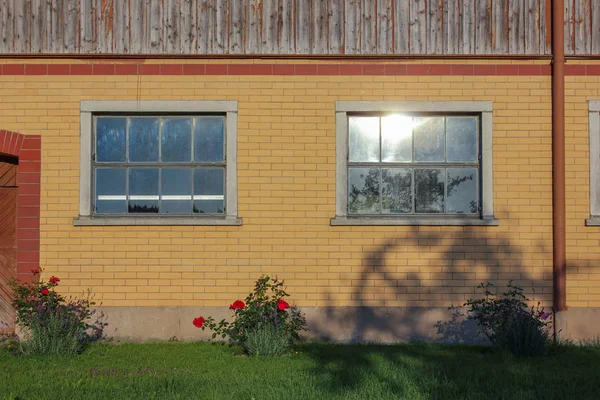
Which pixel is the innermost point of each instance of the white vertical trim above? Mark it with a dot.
(85, 164)
(231, 160)
(341, 158)
(594, 120)
(487, 166)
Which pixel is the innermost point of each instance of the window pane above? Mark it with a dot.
(462, 138)
(429, 139)
(143, 190)
(110, 139)
(396, 138)
(209, 194)
(363, 139)
(363, 190)
(110, 190)
(429, 190)
(208, 139)
(176, 142)
(176, 191)
(462, 191)
(396, 193)
(143, 139)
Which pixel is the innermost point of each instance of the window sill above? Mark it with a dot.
(426, 221)
(155, 221)
(593, 221)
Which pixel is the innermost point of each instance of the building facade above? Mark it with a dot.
(382, 157)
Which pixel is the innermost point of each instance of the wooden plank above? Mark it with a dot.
(435, 25)
(516, 22)
(452, 23)
(583, 27)
(39, 37)
(467, 28)
(105, 12)
(121, 26)
(499, 40)
(171, 27)
(532, 22)
(253, 27)
(270, 19)
(569, 27)
(86, 26)
(236, 27)
(595, 17)
(352, 26)
(138, 33)
(401, 26)
(6, 26)
(418, 27)
(188, 28)
(71, 21)
(335, 26)
(546, 26)
(285, 27)
(155, 28)
(318, 33)
(368, 29)
(221, 21)
(22, 32)
(385, 27)
(483, 27)
(56, 27)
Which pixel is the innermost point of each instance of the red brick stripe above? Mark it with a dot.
(293, 69)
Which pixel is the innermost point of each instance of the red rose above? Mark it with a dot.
(198, 322)
(54, 280)
(45, 292)
(282, 305)
(35, 271)
(237, 305)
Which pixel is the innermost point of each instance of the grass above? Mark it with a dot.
(311, 371)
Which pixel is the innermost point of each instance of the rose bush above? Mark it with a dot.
(264, 307)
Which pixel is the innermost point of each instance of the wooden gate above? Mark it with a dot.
(8, 240)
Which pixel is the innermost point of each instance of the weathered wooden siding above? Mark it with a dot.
(293, 26)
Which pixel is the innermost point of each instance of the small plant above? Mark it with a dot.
(506, 320)
(263, 309)
(53, 324)
(267, 341)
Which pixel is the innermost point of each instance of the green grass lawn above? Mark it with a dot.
(312, 371)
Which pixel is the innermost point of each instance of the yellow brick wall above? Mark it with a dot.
(583, 242)
(286, 192)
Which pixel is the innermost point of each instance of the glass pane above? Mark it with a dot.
(363, 190)
(461, 134)
(429, 190)
(363, 139)
(429, 139)
(110, 190)
(396, 193)
(176, 142)
(176, 191)
(143, 190)
(143, 139)
(209, 193)
(110, 139)
(208, 139)
(396, 138)
(462, 191)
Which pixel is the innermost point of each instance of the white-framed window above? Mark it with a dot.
(414, 163)
(158, 163)
(594, 121)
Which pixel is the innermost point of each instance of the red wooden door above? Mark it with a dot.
(8, 242)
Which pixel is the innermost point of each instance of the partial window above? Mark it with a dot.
(594, 120)
(178, 162)
(398, 164)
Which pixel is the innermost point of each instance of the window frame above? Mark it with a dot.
(89, 109)
(483, 108)
(594, 121)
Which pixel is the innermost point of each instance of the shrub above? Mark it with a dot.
(264, 307)
(53, 324)
(506, 320)
(266, 340)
